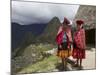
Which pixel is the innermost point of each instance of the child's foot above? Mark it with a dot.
(80, 67)
(76, 65)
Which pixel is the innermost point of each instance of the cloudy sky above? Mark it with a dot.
(33, 12)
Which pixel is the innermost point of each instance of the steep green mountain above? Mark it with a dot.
(49, 34)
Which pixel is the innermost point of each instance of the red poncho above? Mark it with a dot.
(60, 34)
(79, 39)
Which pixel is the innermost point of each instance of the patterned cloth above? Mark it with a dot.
(79, 42)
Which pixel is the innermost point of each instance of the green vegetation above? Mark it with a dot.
(46, 65)
(34, 59)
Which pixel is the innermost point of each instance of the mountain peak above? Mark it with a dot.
(55, 19)
(51, 30)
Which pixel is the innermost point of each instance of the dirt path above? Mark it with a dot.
(90, 61)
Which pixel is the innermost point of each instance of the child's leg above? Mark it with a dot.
(80, 62)
(65, 63)
(77, 62)
(80, 66)
(62, 62)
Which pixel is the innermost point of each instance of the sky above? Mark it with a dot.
(33, 12)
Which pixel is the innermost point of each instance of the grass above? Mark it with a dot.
(46, 65)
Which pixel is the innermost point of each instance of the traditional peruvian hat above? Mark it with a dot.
(70, 23)
(79, 22)
(66, 21)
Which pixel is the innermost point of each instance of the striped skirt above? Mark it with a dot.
(63, 52)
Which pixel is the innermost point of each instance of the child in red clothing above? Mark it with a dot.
(79, 43)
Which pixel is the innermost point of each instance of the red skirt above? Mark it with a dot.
(78, 53)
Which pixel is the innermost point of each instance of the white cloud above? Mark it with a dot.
(32, 12)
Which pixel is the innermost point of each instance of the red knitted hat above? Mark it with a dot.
(79, 22)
